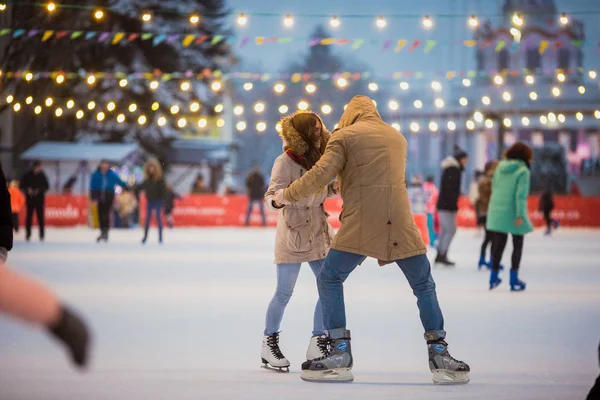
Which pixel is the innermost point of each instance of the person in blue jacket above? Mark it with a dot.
(102, 192)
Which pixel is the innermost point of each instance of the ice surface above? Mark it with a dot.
(184, 321)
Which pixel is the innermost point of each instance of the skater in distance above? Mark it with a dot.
(303, 234)
(369, 158)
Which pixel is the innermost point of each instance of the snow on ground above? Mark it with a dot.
(184, 321)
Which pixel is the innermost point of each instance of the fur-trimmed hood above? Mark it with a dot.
(291, 137)
(450, 161)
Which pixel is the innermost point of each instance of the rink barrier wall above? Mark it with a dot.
(213, 210)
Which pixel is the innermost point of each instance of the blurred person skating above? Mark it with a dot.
(255, 183)
(156, 191)
(474, 197)
(102, 192)
(431, 198)
(170, 197)
(303, 234)
(17, 202)
(507, 213)
(546, 207)
(29, 301)
(126, 206)
(370, 158)
(482, 205)
(447, 203)
(199, 186)
(35, 185)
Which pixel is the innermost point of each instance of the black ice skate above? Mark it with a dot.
(271, 356)
(446, 369)
(72, 331)
(334, 367)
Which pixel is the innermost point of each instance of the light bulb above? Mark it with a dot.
(259, 107)
(342, 82)
(451, 125)
(373, 87)
(473, 22)
(242, 20)
(466, 82)
(79, 114)
(155, 106)
(174, 109)
(525, 121)
(132, 107)
(261, 126)
(470, 125)
(427, 22)
(70, 104)
(219, 108)
(51, 7)
(498, 80)
(564, 20)
(121, 118)
(161, 121)
(99, 14)
(288, 21)
(100, 116)
(326, 109)
(9, 98)
(123, 83)
(418, 104)
(17, 107)
(597, 114)
(154, 85)
(533, 96)
(439, 103)
(216, 86)
(437, 86)
(49, 101)
(555, 91)
(517, 19)
(91, 80)
(506, 96)
(433, 126)
(303, 105)
(414, 126)
(396, 126)
(37, 109)
(486, 100)
(581, 89)
(185, 86)
(248, 86)
(194, 19)
(238, 110)
(489, 123)
(592, 74)
(310, 88)
(146, 17)
(278, 127)
(220, 123)
(551, 117)
(560, 77)
(181, 122)
(507, 122)
(393, 105)
(404, 85)
(240, 126)
(561, 118)
(529, 79)
(60, 78)
(29, 100)
(543, 120)
(334, 22)
(28, 76)
(202, 123)
(283, 109)
(381, 22)
(463, 101)
(142, 119)
(279, 88)
(111, 106)
(579, 116)
(478, 116)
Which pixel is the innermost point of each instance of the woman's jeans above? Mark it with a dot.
(154, 206)
(287, 275)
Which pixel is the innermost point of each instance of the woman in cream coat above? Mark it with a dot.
(303, 234)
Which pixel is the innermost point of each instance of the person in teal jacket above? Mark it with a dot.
(507, 212)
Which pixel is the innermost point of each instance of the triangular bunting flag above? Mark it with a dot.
(357, 43)
(259, 40)
(577, 43)
(103, 36)
(216, 39)
(47, 35)
(32, 33)
(558, 44)
(132, 37)
(61, 34)
(146, 36)
(158, 39)
(500, 45)
(386, 45)
(285, 40)
(172, 38)
(400, 45)
(118, 37)
(414, 45)
(90, 35)
(18, 32)
(5, 31)
(314, 42)
(201, 39)
(188, 40)
(514, 47)
(76, 34)
(244, 41)
(430, 45)
(543, 46)
(327, 41)
(470, 43)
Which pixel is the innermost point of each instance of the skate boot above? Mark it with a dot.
(73, 333)
(494, 280)
(516, 285)
(336, 366)
(446, 369)
(318, 347)
(482, 263)
(271, 355)
(442, 258)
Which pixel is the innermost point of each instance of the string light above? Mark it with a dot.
(473, 22)
(28, 76)
(486, 100)
(241, 126)
(525, 121)
(278, 88)
(283, 109)
(439, 103)
(451, 125)
(564, 20)
(242, 20)
(202, 123)
(194, 19)
(437, 86)
(261, 126)
(37, 109)
(51, 7)
(414, 126)
(60, 78)
(393, 105)
(17, 107)
(49, 101)
(543, 120)
(155, 106)
(288, 21)
(342, 82)
(561, 118)
(121, 118)
(9, 98)
(466, 82)
(154, 85)
(216, 86)
(579, 116)
(463, 101)
(478, 116)
(161, 121)
(581, 89)
(238, 110)
(123, 83)
(195, 107)
(70, 104)
(248, 86)
(100, 116)
(326, 109)
(79, 114)
(556, 91)
(507, 122)
(185, 86)
(310, 88)
(470, 125)
(597, 114)
(396, 126)
(259, 107)
(220, 123)
(561, 77)
(592, 74)
(146, 17)
(334, 22)
(373, 87)
(418, 104)
(91, 105)
(489, 123)
(498, 80)
(2, 6)
(381, 22)
(433, 126)
(132, 107)
(181, 122)
(142, 119)
(427, 22)
(303, 105)
(517, 19)
(91, 80)
(278, 127)
(404, 85)
(111, 106)
(29, 100)
(516, 34)
(533, 96)
(175, 109)
(99, 14)
(529, 79)
(506, 96)
(551, 117)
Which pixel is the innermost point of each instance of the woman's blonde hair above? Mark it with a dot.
(158, 172)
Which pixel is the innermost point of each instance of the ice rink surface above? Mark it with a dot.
(184, 321)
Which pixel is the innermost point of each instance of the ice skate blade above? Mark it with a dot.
(445, 377)
(337, 375)
(282, 370)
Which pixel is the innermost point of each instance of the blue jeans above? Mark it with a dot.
(154, 206)
(262, 211)
(287, 275)
(339, 265)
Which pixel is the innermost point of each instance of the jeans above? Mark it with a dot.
(339, 265)
(431, 229)
(499, 243)
(262, 211)
(156, 206)
(448, 230)
(104, 209)
(287, 275)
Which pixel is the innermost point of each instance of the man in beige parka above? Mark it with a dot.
(369, 158)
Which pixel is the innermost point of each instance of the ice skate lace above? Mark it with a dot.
(273, 343)
(448, 353)
(323, 345)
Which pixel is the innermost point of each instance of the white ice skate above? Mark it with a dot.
(318, 347)
(271, 355)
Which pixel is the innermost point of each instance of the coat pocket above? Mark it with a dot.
(298, 235)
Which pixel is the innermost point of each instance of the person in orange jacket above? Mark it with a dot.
(17, 202)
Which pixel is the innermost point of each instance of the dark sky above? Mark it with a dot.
(272, 57)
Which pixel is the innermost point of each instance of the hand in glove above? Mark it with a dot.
(280, 199)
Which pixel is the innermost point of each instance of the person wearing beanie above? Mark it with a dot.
(447, 203)
(30, 301)
(34, 185)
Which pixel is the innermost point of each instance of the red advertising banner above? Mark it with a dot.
(212, 210)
